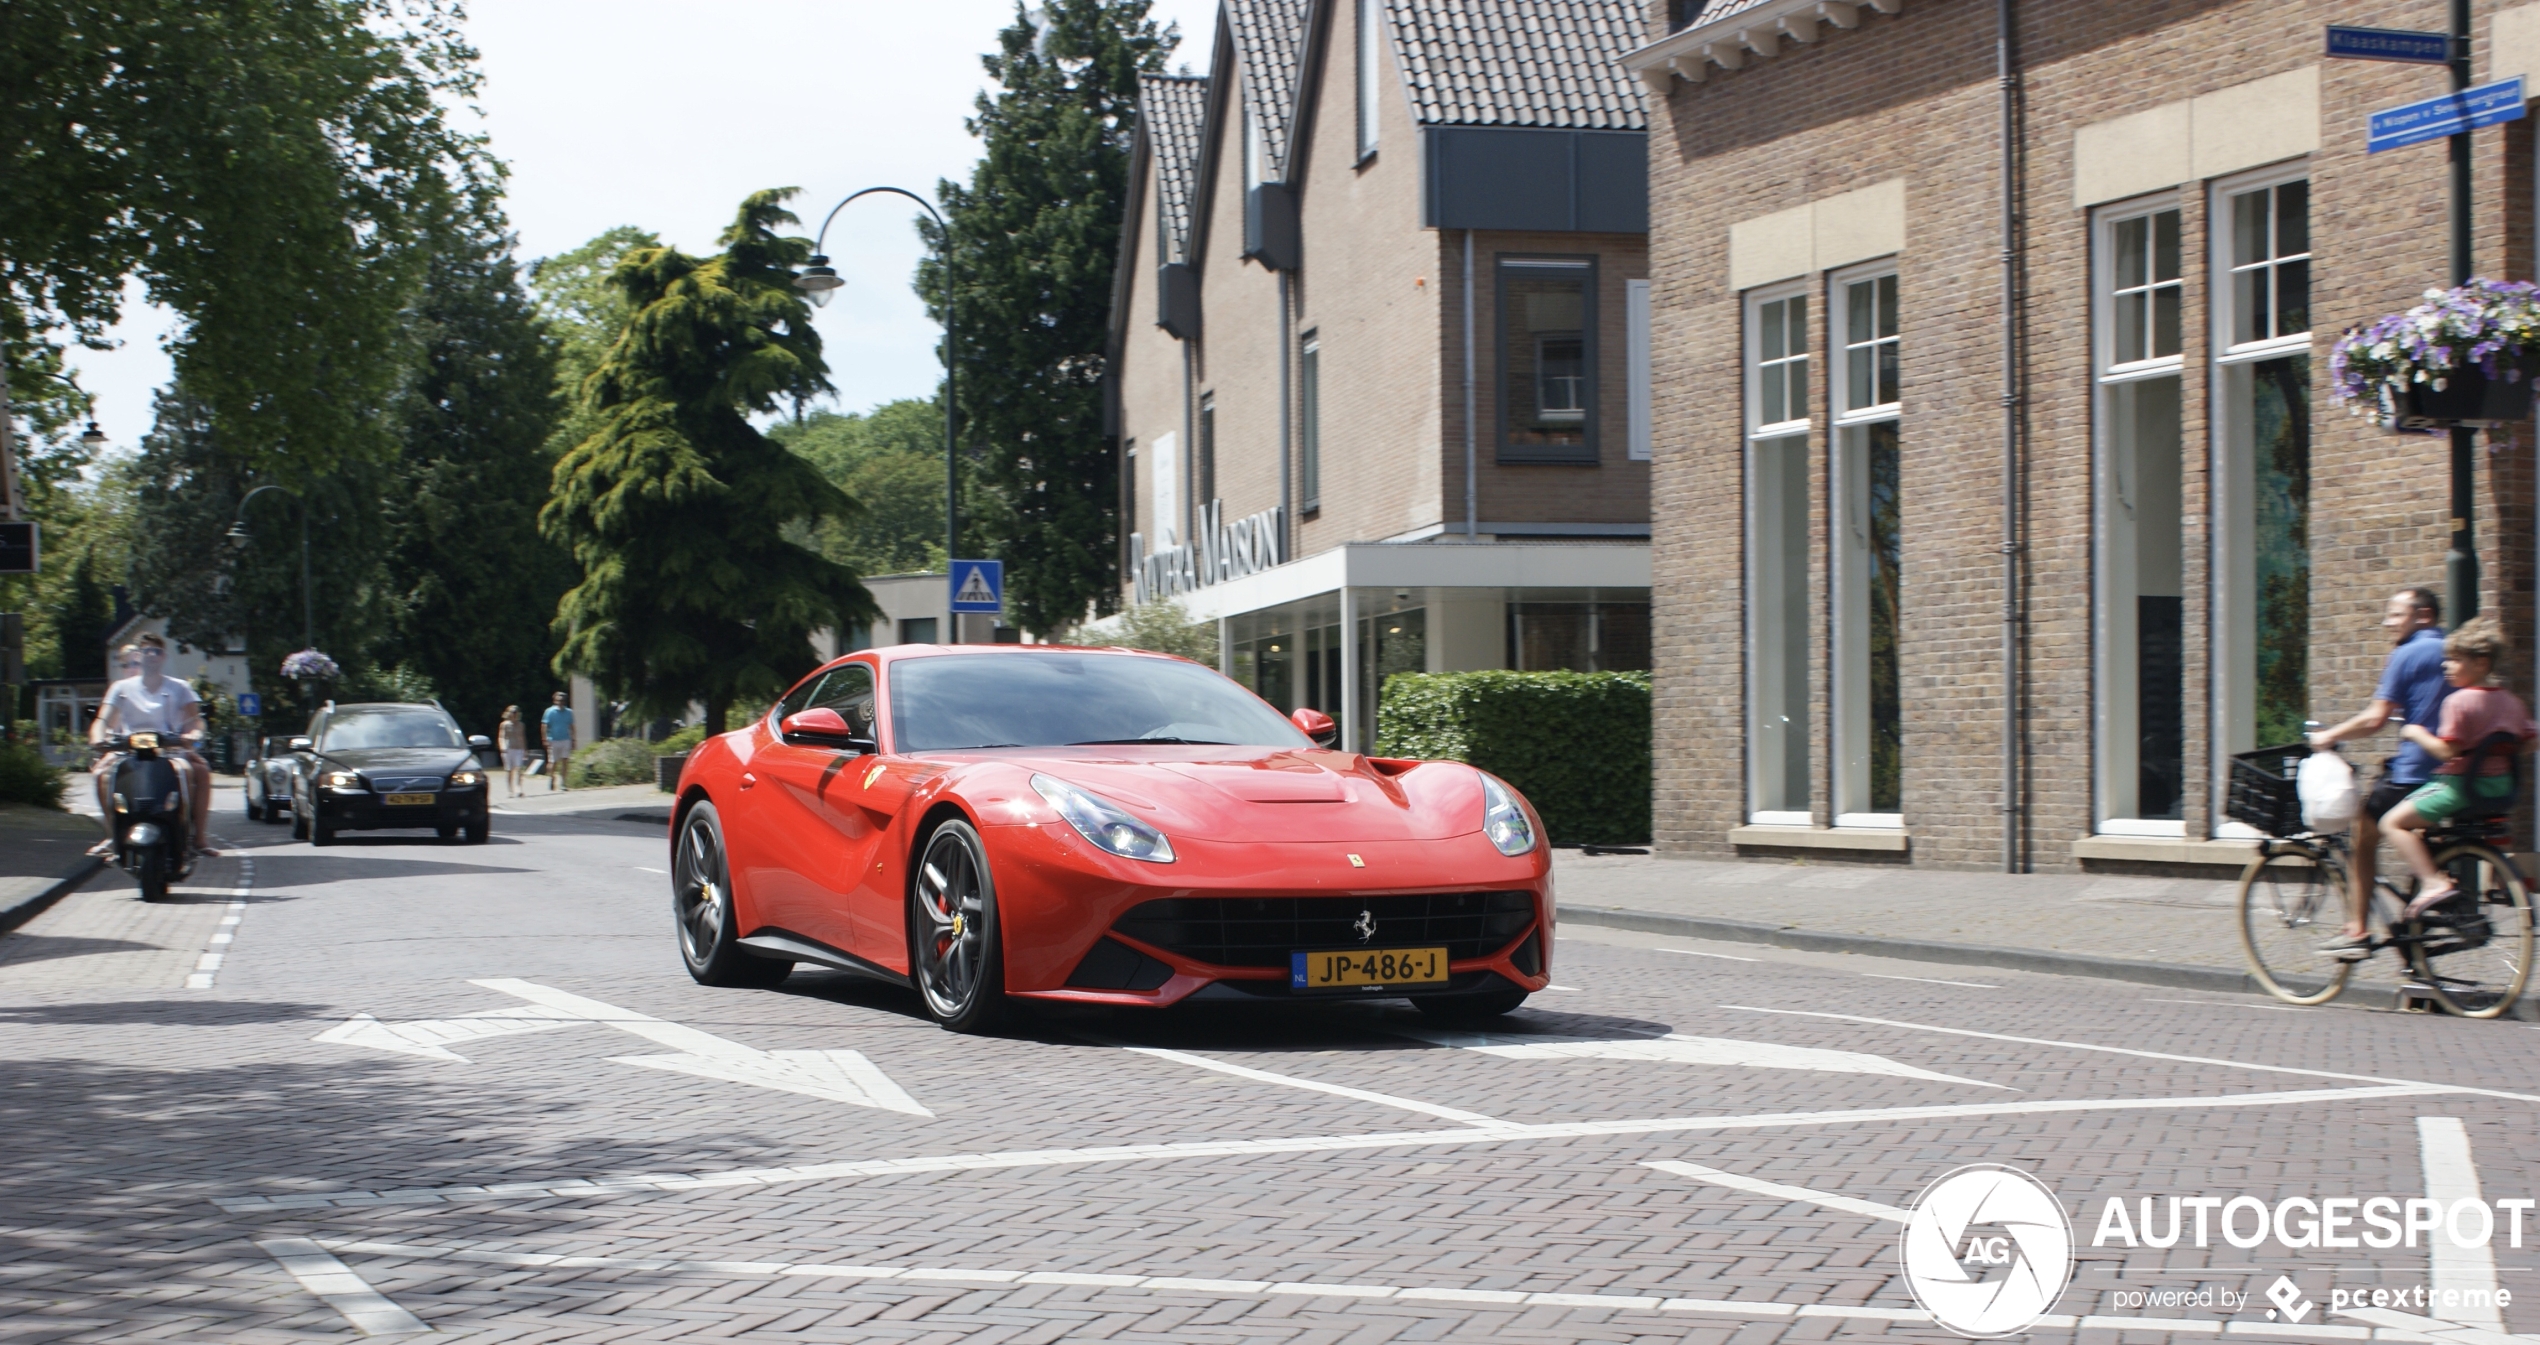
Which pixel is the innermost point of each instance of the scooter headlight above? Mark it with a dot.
(147, 742)
(1105, 823)
(1504, 819)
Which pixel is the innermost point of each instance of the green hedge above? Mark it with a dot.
(1575, 744)
(613, 761)
(26, 777)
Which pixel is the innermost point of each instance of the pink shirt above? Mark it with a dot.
(2472, 713)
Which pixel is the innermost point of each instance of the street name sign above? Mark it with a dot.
(2346, 42)
(978, 586)
(18, 552)
(2453, 113)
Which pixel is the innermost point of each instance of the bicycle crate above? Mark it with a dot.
(2262, 792)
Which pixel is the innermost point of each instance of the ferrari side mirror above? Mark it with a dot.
(821, 726)
(1317, 726)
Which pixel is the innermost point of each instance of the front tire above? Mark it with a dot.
(701, 907)
(955, 948)
(152, 874)
(320, 833)
(2289, 905)
(2476, 961)
(476, 831)
(255, 806)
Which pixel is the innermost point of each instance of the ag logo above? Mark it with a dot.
(1987, 1250)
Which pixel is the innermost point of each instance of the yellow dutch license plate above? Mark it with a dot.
(410, 800)
(1366, 966)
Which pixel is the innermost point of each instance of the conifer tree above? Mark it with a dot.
(677, 510)
(1034, 239)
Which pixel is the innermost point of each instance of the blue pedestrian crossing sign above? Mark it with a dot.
(978, 586)
(250, 704)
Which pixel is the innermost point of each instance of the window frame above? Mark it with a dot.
(1756, 299)
(1589, 452)
(2104, 366)
(1839, 346)
(2222, 296)
(1758, 432)
(1639, 310)
(1847, 423)
(1309, 440)
(1204, 462)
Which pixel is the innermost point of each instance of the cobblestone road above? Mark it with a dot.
(468, 1089)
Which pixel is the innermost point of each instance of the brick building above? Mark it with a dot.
(2185, 542)
(1380, 314)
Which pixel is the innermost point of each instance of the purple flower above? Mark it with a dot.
(310, 663)
(2490, 324)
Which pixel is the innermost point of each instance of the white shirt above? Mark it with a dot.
(142, 710)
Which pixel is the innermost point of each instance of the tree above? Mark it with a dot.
(677, 509)
(584, 313)
(1165, 628)
(890, 460)
(475, 583)
(1033, 240)
(272, 170)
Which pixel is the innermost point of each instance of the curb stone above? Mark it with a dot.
(28, 907)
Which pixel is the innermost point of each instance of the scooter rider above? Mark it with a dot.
(155, 702)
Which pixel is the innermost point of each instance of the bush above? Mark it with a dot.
(685, 740)
(26, 777)
(1164, 628)
(1575, 744)
(613, 761)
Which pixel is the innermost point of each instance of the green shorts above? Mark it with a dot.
(2443, 797)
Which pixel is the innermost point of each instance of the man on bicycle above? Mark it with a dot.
(2412, 689)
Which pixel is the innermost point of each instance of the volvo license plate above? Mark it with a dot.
(1360, 967)
(410, 800)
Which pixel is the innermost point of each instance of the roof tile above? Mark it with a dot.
(1172, 108)
(1554, 63)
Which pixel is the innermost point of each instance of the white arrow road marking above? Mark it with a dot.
(1678, 1048)
(2466, 1275)
(840, 1076)
(433, 1037)
(1764, 1188)
(331, 1280)
(1311, 1085)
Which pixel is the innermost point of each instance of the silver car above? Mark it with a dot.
(268, 782)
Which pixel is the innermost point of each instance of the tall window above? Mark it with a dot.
(1129, 490)
(2139, 713)
(1547, 360)
(2262, 610)
(1371, 71)
(1165, 486)
(1777, 558)
(1205, 465)
(1309, 442)
(1869, 737)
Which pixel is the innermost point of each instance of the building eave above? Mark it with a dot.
(1728, 43)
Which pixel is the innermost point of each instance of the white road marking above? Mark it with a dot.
(839, 1076)
(641, 869)
(432, 1038)
(2148, 1055)
(1677, 1048)
(207, 967)
(1724, 957)
(1971, 985)
(1310, 1085)
(1135, 1153)
(1761, 1187)
(321, 1274)
(1570, 988)
(2450, 1175)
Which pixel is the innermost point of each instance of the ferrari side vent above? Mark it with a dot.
(1529, 955)
(1113, 965)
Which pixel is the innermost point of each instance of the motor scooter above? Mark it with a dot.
(153, 814)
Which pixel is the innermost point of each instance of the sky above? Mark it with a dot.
(668, 112)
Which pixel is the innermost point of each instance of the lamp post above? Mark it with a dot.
(239, 536)
(819, 280)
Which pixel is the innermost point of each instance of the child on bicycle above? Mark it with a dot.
(2473, 711)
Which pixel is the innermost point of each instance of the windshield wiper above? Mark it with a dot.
(974, 747)
(1116, 742)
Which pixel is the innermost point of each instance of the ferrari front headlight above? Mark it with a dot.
(1105, 823)
(1504, 819)
(343, 780)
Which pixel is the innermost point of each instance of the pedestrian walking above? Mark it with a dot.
(512, 736)
(555, 731)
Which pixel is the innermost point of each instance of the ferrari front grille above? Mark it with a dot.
(1263, 931)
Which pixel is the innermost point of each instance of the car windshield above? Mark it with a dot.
(1055, 700)
(390, 728)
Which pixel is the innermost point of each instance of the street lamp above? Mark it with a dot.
(240, 537)
(819, 280)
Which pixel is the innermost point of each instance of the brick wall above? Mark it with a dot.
(1913, 95)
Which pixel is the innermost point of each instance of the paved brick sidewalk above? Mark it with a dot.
(43, 854)
(2117, 927)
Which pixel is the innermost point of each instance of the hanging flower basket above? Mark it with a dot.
(310, 665)
(2464, 357)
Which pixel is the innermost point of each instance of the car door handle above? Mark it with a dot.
(748, 779)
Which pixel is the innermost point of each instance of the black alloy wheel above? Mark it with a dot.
(701, 906)
(955, 947)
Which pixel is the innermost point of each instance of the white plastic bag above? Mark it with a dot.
(2326, 784)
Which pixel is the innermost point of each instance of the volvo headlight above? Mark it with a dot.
(344, 780)
(1504, 819)
(466, 779)
(1105, 823)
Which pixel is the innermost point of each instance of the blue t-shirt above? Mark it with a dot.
(2413, 681)
(558, 722)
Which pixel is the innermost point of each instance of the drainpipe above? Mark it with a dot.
(2014, 719)
(1472, 460)
(1287, 450)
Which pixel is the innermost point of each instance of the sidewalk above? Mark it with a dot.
(2181, 933)
(43, 855)
(642, 803)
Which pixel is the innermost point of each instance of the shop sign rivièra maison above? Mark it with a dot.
(1221, 552)
(2464, 357)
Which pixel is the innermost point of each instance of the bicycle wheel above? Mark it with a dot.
(2291, 902)
(2474, 951)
